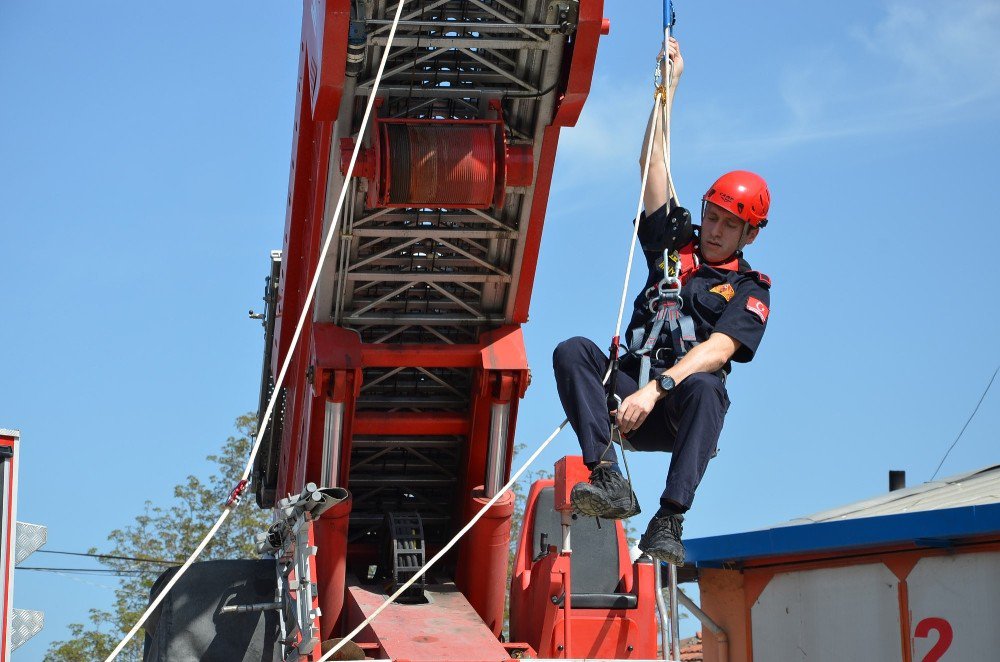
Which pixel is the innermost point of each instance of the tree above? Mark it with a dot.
(164, 536)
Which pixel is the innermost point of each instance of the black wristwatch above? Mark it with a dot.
(665, 382)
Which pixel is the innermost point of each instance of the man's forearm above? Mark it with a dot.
(709, 356)
(655, 195)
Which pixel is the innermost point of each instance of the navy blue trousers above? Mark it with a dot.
(687, 423)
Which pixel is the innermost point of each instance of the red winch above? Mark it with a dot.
(439, 163)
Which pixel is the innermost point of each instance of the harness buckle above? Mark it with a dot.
(668, 289)
(662, 354)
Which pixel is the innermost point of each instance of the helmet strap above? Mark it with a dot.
(743, 237)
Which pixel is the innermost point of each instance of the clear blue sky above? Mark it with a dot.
(144, 152)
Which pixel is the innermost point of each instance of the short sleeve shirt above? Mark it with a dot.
(718, 298)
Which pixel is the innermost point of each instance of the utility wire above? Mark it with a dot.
(82, 571)
(109, 556)
(981, 398)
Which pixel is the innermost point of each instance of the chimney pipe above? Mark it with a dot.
(897, 480)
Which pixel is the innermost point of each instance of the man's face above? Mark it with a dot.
(721, 231)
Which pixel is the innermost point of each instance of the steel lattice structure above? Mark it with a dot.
(404, 389)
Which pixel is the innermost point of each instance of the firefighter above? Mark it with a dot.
(682, 407)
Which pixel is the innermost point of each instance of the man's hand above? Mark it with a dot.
(674, 55)
(635, 408)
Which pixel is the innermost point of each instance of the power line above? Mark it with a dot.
(109, 556)
(981, 398)
(82, 571)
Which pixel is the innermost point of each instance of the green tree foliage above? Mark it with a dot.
(168, 533)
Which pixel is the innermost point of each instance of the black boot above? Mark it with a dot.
(662, 539)
(607, 495)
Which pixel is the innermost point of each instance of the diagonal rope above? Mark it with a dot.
(306, 307)
(444, 550)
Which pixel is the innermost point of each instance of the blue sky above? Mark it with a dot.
(144, 152)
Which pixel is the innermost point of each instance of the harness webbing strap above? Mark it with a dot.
(663, 312)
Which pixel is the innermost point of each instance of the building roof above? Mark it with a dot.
(969, 489)
(931, 514)
(691, 649)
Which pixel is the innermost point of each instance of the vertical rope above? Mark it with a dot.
(652, 124)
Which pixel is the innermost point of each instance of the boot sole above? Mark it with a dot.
(593, 505)
(664, 556)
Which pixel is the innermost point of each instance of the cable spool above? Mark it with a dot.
(441, 164)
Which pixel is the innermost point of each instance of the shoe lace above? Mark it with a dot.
(675, 524)
(603, 476)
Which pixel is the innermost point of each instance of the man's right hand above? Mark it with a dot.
(674, 54)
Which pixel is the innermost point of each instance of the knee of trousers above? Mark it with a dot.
(705, 387)
(572, 351)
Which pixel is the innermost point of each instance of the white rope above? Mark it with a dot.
(451, 543)
(306, 308)
(652, 124)
(173, 580)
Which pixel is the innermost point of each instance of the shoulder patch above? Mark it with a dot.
(725, 290)
(758, 308)
(761, 278)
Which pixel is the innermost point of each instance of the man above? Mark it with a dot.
(682, 407)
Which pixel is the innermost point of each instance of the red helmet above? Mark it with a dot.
(742, 193)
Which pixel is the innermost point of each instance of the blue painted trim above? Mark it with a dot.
(939, 525)
(668, 12)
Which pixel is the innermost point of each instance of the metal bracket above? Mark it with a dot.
(565, 14)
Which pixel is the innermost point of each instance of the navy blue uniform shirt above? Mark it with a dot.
(735, 302)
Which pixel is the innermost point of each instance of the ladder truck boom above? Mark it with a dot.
(395, 422)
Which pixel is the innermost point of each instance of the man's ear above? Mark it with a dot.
(751, 235)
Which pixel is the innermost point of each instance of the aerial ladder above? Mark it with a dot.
(394, 425)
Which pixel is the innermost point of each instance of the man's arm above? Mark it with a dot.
(655, 195)
(708, 356)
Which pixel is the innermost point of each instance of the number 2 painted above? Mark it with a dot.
(945, 636)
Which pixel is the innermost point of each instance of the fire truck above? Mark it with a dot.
(394, 403)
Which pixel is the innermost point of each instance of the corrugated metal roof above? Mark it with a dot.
(958, 508)
(975, 488)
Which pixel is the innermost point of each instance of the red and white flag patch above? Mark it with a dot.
(758, 308)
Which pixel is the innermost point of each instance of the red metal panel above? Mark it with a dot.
(533, 237)
(589, 29)
(335, 347)
(293, 274)
(570, 470)
(423, 356)
(447, 628)
(326, 25)
(410, 423)
(303, 259)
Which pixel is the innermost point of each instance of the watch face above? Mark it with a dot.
(667, 382)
